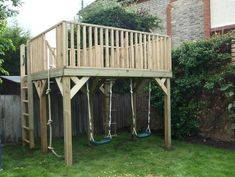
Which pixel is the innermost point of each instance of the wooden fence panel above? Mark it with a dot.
(10, 119)
(10, 110)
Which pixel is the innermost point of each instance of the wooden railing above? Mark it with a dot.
(86, 45)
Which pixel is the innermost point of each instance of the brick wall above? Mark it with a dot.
(187, 21)
(156, 8)
(183, 19)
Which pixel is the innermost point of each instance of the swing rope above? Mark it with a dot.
(132, 108)
(50, 121)
(147, 131)
(109, 136)
(89, 112)
(149, 108)
(110, 110)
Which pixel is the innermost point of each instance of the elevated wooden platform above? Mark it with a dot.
(75, 53)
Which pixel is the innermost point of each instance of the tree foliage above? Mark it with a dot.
(7, 9)
(203, 81)
(116, 15)
(11, 57)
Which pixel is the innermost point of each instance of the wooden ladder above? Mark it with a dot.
(27, 120)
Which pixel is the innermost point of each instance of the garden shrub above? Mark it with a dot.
(202, 72)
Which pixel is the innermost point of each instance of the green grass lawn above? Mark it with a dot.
(122, 157)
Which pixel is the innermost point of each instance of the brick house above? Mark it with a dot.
(191, 20)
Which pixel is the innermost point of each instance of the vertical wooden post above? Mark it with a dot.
(68, 151)
(43, 122)
(30, 101)
(167, 116)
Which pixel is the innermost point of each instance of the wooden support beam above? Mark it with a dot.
(167, 116)
(161, 83)
(78, 85)
(59, 84)
(31, 113)
(43, 123)
(41, 87)
(68, 150)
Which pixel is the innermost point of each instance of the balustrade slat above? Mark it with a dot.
(149, 52)
(122, 49)
(78, 46)
(90, 62)
(145, 52)
(117, 61)
(154, 51)
(141, 51)
(132, 51)
(96, 52)
(126, 61)
(136, 51)
(112, 49)
(84, 50)
(101, 63)
(72, 52)
(106, 47)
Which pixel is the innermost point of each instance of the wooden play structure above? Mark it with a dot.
(85, 57)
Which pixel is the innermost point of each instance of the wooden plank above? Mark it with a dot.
(101, 72)
(84, 58)
(78, 46)
(137, 62)
(169, 55)
(167, 116)
(68, 150)
(59, 84)
(126, 58)
(72, 51)
(154, 51)
(132, 60)
(65, 43)
(117, 62)
(122, 50)
(145, 52)
(165, 48)
(96, 53)
(141, 51)
(112, 48)
(161, 83)
(78, 86)
(43, 123)
(58, 47)
(90, 62)
(101, 63)
(150, 52)
(107, 48)
(31, 113)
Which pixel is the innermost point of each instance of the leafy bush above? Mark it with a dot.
(201, 70)
(122, 17)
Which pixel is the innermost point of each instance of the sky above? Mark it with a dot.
(39, 15)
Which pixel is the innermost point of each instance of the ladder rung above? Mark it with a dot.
(25, 101)
(25, 127)
(25, 140)
(25, 88)
(26, 114)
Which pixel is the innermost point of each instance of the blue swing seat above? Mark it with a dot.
(144, 134)
(100, 142)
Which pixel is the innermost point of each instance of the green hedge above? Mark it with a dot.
(202, 72)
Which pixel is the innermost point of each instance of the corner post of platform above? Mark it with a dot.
(68, 150)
